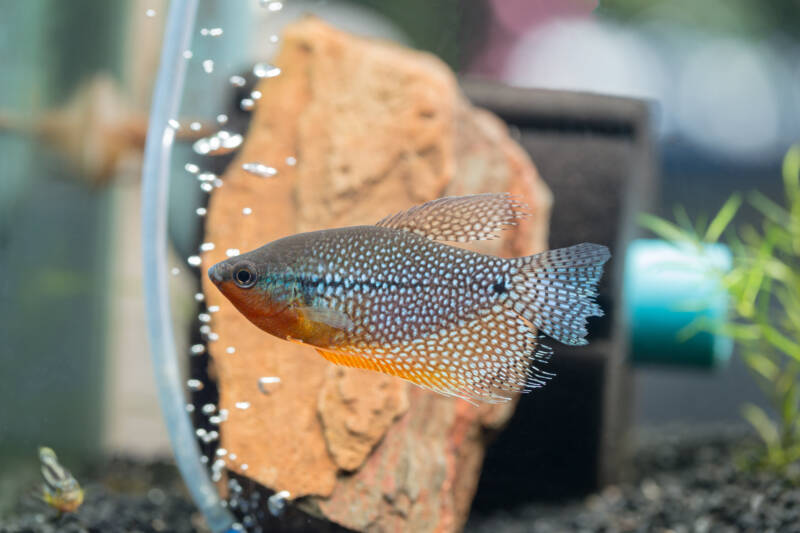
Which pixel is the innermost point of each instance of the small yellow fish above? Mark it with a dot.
(392, 299)
(60, 490)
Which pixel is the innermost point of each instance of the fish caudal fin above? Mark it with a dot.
(555, 290)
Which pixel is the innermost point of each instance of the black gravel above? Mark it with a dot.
(127, 496)
(683, 482)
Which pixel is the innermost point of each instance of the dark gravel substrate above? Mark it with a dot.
(683, 482)
(124, 496)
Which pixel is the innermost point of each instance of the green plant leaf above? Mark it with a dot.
(771, 210)
(789, 405)
(723, 218)
(665, 229)
(791, 173)
(762, 365)
(781, 342)
(765, 427)
(682, 218)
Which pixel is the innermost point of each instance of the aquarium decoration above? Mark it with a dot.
(764, 290)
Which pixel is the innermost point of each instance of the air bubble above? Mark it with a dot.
(222, 452)
(188, 54)
(265, 70)
(199, 296)
(247, 104)
(220, 143)
(213, 337)
(232, 252)
(207, 246)
(207, 187)
(201, 211)
(150, 13)
(174, 124)
(190, 408)
(256, 95)
(246, 211)
(195, 126)
(272, 5)
(191, 168)
(194, 260)
(213, 308)
(260, 169)
(209, 409)
(204, 317)
(175, 271)
(277, 502)
(244, 466)
(243, 405)
(264, 383)
(237, 81)
(205, 329)
(211, 32)
(230, 350)
(214, 420)
(208, 65)
(222, 118)
(194, 384)
(273, 39)
(291, 161)
(197, 349)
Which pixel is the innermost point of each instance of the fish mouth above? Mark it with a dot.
(219, 273)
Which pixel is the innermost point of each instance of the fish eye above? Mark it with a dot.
(244, 275)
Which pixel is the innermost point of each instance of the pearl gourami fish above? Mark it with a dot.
(393, 299)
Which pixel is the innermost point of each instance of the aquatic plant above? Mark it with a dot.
(764, 290)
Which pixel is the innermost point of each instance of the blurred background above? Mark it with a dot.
(720, 80)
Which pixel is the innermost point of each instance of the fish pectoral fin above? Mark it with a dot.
(459, 218)
(329, 317)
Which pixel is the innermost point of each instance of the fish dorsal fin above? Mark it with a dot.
(459, 218)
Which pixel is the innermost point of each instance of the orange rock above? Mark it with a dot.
(374, 128)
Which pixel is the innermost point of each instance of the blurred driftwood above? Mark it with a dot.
(95, 130)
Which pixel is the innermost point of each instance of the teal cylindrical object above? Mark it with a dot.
(667, 287)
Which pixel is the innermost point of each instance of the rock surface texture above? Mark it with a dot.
(373, 129)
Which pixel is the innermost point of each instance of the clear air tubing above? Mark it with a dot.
(155, 190)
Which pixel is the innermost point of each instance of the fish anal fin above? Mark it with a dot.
(459, 218)
(421, 378)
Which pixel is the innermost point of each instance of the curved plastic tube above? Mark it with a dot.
(155, 190)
